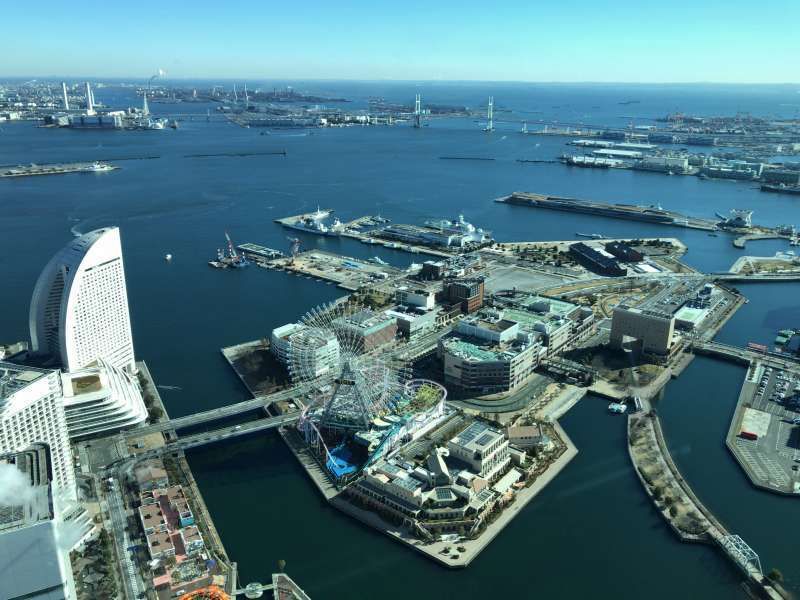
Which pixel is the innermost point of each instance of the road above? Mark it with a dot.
(116, 509)
(220, 413)
(217, 435)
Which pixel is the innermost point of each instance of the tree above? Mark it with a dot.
(775, 575)
(156, 412)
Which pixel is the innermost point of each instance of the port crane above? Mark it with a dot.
(294, 249)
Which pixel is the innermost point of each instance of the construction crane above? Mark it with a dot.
(295, 248)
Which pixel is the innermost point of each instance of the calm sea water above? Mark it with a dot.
(592, 533)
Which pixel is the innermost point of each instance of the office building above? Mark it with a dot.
(35, 535)
(468, 293)
(79, 311)
(652, 330)
(367, 329)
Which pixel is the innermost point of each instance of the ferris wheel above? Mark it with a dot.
(356, 382)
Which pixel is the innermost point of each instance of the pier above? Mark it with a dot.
(630, 212)
(55, 169)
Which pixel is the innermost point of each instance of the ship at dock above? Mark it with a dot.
(315, 223)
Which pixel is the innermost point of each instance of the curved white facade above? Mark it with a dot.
(79, 311)
(101, 398)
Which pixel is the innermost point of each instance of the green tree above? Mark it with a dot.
(775, 575)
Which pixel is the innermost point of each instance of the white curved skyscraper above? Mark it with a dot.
(79, 311)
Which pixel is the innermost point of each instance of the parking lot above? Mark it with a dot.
(765, 433)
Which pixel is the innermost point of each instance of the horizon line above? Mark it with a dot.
(131, 78)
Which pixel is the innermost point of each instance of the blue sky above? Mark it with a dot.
(552, 40)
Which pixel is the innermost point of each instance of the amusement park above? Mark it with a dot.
(365, 403)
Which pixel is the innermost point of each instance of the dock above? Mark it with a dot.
(346, 272)
(630, 212)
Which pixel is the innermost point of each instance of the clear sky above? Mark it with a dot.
(516, 40)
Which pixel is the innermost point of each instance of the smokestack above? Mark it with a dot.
(64, 94)
(89, 100)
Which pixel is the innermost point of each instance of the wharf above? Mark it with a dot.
(55, 169)
(742, 240)
(346, 272)
(630, 212)
(769, 459)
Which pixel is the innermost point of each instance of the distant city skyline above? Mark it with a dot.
(581, 41)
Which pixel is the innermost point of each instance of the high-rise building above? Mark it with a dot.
(32, 412)
(35, 538)
(79, 311)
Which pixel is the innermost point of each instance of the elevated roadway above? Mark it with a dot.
(223, 412)
(218, 435)
(744, 355)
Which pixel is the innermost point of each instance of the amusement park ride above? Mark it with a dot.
(366, 402)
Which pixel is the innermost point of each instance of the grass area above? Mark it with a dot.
(86, 384)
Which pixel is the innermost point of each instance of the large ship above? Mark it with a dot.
(462, 228)
(314, 223)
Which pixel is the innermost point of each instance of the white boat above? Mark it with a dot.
(617, 407)
(168, 257)
(98, 167)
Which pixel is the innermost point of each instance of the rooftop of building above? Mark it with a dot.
(477, 436)
(16, 377)
(468, 349)
(366, 319)
(27, 476)
(150, 470)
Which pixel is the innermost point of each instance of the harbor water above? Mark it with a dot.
(592, 532)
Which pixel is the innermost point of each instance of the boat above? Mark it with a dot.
(378, 260)
(781, 188)
(168, 257)
(313, 223)
(231, 258)
(98, 167)
(617, 407)
(594, 236)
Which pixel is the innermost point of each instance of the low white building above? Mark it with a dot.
(483, 448)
